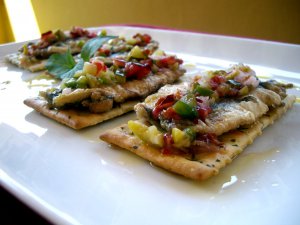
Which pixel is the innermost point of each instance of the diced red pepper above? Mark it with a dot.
(165, 99)
(203, 112)
(146, 51)
(146, 38)
(77, 32)
(167, 61)
(168, 143)
(100, 65)
(46, 39)
(137, 70)
(104, 52)
(48, 36)
(170, 113)
(161, 104)
(203, 107)
(80, 32)
(215, 81)
(142, 39)
(147, 62)
(119, 62)
(91, 34)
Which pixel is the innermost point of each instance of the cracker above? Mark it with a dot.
(207, 164)
(127, 93)
(14, 59)
(77, 119)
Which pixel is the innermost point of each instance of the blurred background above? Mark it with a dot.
(273, 20)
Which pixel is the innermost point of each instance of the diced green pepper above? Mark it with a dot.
(60, 35)
(191, 133)
(203, 91)
(82, 82)
(71, 83)
(80, 43)
(186, 107)
(103, 80)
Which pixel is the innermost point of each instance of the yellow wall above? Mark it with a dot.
(277, 20)
(5, 29)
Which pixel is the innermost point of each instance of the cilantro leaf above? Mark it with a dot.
(58, 63)
(92, 45)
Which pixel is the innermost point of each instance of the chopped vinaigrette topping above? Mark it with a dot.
(195, 105)
(136, 60)
(50, 37)
(205, 90)
(239, 80)
(80, 32)
(176, 142)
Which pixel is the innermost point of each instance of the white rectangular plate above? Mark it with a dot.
(72, 177)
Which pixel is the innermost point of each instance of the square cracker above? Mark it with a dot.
(77, 119)
(14, 59)
(206, 164)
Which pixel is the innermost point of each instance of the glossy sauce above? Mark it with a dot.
(42, 80)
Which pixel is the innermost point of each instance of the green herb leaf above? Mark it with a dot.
(64, 66)
(92, 45)
(58, 64)
(71, 72)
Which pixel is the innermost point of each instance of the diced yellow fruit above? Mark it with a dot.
(92, 81)
(175, 66)
(136, 127)
(80, 43)
(158, 52)
(181, 139)
(103, 32)
(244, 68)
(90, 68)
(131, 41)
(108, 76)
(232, 75)
(155, 137)
(150, 135)
(244, 91)
(78, 74)
(136, 53)
(25, 49)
